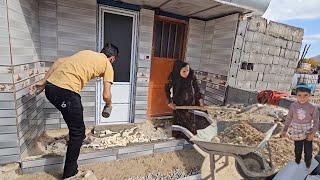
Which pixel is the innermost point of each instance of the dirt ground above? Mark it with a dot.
(163, 163)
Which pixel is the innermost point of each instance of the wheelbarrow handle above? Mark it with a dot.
(267, 137)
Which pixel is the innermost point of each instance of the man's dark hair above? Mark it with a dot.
(110, 50)
(302, 87)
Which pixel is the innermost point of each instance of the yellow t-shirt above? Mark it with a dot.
(75, 72)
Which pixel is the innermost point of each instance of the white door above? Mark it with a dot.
(119, 28)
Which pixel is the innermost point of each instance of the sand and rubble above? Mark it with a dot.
(282, 149)
(54, 142)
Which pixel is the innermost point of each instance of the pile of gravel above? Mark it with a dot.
(174, 174)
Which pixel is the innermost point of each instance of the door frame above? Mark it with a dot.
(183, 52)
(134, 55)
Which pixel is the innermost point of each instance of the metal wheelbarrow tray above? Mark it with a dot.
(248, 158)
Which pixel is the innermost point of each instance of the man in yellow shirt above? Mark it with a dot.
(63, 83)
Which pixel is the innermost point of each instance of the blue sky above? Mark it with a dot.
(299, 13)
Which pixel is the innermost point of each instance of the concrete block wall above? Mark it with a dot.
(209, 52)
(265, 55)
(146, 21)
(66, 28)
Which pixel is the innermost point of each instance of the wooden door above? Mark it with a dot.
(168, 45)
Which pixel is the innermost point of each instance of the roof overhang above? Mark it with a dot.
(204, 9)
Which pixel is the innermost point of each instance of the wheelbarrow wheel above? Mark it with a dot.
(253, 161)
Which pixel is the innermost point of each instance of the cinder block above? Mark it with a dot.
(233, 71)
(292, 64)
(239, 42)
(241, 76)
(242, 28)
(232, 81)
(258, 24)
(243, 85)
(256, 48)
(267, 59)
(260, 85)
(275, 69)
(255, 58)
(272, 86)
(296, 56)
(259, 68)
(253, 85)
(249, 36)
(236, 56)
(273, 50)
(269, 78)
(284, 86)
(283, 61)
(267, 68)
(251, 76)
(265, 49)
(260, 77)
(273, 29)
(289, 45)
(276, 60)
(283, 43)
(297, 35)
(244, 57)
(290, 54)
(258, 37)
(282, 52)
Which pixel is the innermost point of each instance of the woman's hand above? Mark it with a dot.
(283, 134)
(172, 106)
(310, 136)
(37, 88)
(201, 102)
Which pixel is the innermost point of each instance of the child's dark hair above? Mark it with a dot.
(302, 87)
(110, 50)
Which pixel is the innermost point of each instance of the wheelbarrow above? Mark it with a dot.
(250, 164)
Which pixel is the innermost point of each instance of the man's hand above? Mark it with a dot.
(37, 88)
(172, 106)
(310, 136)
(107, 93)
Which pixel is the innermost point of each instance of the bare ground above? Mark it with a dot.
(163, 163)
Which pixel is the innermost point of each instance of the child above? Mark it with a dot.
(303, 120)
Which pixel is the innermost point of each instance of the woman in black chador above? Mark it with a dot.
(183, 90)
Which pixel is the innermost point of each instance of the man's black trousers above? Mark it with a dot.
(69, 104)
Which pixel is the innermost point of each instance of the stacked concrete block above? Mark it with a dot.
(195, 43)
(272, 48)
(210, 52)
(144, 63)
